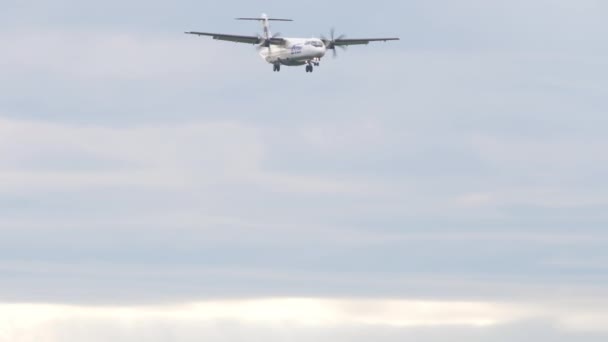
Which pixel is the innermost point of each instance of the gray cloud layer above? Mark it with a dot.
(466, 162)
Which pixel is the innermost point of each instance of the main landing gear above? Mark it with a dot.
(276, 67)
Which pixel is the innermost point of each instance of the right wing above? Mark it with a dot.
(230, 37)
(241, 39)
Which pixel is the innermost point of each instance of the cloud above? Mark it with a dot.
(273, 318)
(42, 155)
(461, 168)
(91, 55)
(51, 156)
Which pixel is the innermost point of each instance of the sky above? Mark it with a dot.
(164, 187)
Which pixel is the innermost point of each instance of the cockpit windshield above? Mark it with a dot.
(315, 43)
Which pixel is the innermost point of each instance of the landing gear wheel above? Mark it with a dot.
(309, 68)
(276, 67)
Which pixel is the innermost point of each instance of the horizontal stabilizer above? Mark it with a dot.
(262, 19)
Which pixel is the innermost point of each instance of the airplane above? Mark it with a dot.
(279, 51)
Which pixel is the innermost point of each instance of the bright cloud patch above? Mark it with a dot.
(274, 317)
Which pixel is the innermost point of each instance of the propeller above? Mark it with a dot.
(266, 42)
(330, 44)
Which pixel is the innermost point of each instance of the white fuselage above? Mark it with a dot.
(295, 51)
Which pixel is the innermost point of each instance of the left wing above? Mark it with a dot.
(363, 41)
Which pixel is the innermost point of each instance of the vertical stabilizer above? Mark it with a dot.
(265, 23)
(266, 26)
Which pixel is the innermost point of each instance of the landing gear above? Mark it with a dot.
(311, 64)
(276, 67)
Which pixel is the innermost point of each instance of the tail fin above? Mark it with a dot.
(265, 23)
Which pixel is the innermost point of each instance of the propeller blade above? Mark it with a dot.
(330, 44)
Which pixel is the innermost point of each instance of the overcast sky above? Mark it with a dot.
(164, 187)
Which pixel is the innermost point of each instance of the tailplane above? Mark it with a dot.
(265, 23)
(264, 17)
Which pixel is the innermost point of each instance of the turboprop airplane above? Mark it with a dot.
(279, 51)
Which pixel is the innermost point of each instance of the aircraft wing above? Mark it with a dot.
(230, 37)
(240, 39)
(362, 41)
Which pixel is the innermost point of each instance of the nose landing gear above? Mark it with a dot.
(310, 65)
